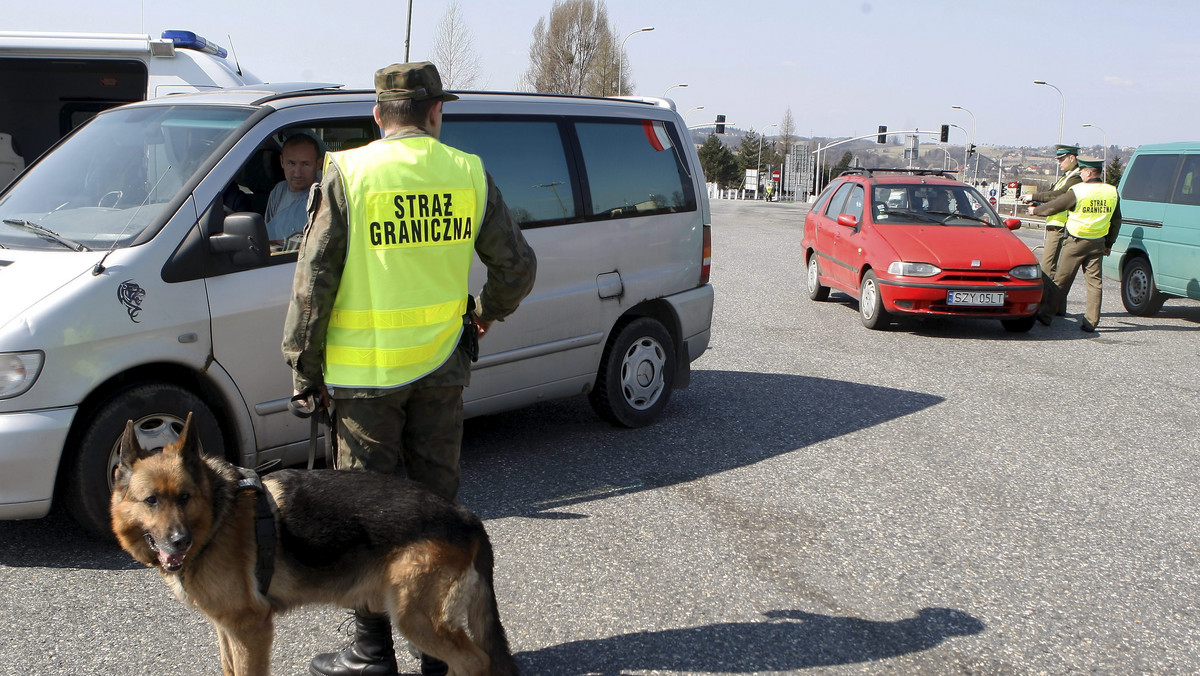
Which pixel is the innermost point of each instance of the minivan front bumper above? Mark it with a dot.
(31, 444)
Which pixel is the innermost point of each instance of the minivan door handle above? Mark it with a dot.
(609, 284)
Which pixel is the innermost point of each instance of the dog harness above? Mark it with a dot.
(264, 527)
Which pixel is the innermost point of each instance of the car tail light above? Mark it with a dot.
(706, 259)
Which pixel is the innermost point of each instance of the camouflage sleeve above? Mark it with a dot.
(1048, 195)
(318, 272)
(1061, 203)
(510, 261)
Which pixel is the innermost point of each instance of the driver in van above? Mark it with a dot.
(286, 213)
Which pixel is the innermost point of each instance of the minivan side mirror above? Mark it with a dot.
(847, 220)
(244, 236)
(1012, 223)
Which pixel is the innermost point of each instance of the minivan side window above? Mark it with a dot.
(1150, 178)
(1188, 190)
(526, 159)
(633, 168)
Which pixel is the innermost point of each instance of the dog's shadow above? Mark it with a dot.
(789, 640)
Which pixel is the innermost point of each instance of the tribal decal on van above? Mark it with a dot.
(130, 295)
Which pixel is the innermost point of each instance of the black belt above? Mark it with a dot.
(264, 527)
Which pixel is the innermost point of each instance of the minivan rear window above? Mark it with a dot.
(1150, 178)
(527, 160)
(633, 168)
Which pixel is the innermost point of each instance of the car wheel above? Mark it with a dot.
(158, 411)
(870, 303)
(815, 290)
(1019, 325)
(636, 374)
(1138, 293)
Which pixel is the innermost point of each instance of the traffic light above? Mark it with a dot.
(720, 124)
(972, 150)
(945, 133)
(1017, 191)
(1003, 189)
(882, 138)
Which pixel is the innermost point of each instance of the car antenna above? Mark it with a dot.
(233, 50)
(99, 267)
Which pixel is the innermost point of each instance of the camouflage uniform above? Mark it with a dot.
(419, 424)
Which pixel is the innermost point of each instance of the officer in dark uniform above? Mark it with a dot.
(1093, 221)
(398, 400)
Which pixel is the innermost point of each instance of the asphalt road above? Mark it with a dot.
(941, 498)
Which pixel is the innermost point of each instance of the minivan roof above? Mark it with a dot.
(285, 94)
(1177, 146)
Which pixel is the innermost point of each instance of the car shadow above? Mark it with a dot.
(539, 461)
(787, 640)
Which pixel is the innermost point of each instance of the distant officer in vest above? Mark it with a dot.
(1093, 220)
(1068, 167)
(381, 321)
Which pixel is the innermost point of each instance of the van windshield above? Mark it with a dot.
(114, 177)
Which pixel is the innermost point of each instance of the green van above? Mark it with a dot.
(1157, 253)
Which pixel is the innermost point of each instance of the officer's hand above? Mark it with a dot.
(1030, 210)
(483, 325)
(1026, 198)
(306, 404)
(1107, 251)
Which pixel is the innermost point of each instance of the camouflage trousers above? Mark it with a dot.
(415, 431)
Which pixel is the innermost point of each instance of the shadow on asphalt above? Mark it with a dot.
(789, 640)
(540, 461)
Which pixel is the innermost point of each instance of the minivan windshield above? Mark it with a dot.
(113, 178)
(924, 204)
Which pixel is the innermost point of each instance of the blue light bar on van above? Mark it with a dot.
(189, 40)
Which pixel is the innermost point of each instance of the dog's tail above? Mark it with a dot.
(485, 614)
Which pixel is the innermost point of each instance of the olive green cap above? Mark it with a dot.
(416, 81)
(1091, 164)
(1060, 150)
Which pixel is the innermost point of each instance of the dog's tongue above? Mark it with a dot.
(170, 561)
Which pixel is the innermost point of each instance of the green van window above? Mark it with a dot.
(1150, 178)
(1188, 190)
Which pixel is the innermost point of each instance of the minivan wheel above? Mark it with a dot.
(870, 303)
(158, 411)
(815, 290)
(633, 384)
(1138, 293)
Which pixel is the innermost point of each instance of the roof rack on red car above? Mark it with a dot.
(869, 172)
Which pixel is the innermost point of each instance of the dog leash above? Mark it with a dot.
(316, 415)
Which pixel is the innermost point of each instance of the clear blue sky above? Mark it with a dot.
(842, 66)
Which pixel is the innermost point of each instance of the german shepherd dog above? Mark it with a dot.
(354, 539)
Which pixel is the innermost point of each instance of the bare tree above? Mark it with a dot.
(454, 51)
(787, 131)
(574, 51)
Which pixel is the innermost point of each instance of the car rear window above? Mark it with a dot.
(634, 168)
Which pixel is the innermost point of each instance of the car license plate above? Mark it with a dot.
(975, 298)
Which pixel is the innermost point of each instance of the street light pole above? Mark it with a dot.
(621, 54)
(972, 142)
(758, 171)
(1104, 170)
(966, 147)
(1062, 113)
(690, 111)
(672, 87)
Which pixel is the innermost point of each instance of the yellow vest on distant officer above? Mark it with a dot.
(415, 207)
(1095, 204)
(1060, 219)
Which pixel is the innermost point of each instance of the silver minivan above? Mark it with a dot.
(137, 281)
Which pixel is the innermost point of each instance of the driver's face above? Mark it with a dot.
(299, 162)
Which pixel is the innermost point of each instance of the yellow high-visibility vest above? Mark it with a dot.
(1060, 219)
(1093, 210)
(415, 207)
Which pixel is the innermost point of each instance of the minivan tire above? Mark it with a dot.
(1139, 295)
(636, 374)
(158, 411)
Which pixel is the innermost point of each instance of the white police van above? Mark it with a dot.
(137, 282)
(53, 82)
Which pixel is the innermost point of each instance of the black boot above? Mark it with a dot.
(432, 666)
(371, 654)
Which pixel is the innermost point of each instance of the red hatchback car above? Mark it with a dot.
(915, 242)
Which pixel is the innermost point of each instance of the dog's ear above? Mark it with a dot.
(131, 452)
(189, 444)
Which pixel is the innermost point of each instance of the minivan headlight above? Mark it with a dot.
(1026, 272)
(906, 269)
(18, 370)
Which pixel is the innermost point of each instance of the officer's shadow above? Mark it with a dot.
(788, 640)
